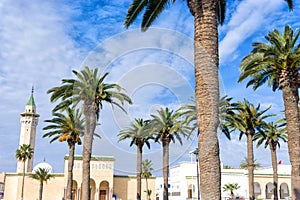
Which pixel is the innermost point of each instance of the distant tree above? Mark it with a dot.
(244, 164)
(168, 127)
(66, 127)
(231, 187)
(227, 167)
(271, 136)
(146, 173)
(140, 133)
(42, 175)
(24, 153)
(90, 91)
(248, 120)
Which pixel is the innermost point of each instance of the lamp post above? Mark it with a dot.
(195, 152)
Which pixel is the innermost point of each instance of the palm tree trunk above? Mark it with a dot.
(250, 164)
(23, 180)
(291, 99)
(41, 190)
(275, 174)
(90, 125)
(207, 95)
(139, 171)
(70, 170)
(165, 168)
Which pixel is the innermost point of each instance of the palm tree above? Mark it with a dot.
(245, 164)
(168, 127)
(146, 173)
(140, 134)
(23, 153)
(69, 128)
(277, 63)
(231, 187)
(90, 90)
(271, 135)
(207, 15)
(248, 120)
(42, 175)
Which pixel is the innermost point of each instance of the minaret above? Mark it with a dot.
(29, 121)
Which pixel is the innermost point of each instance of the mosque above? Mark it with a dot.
(105, 185)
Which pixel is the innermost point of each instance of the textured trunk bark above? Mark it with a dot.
(275, 174)
(41, 190)
(139, 171)
(250, 164)
(70, 171)
(90, 124)
(207, 95)
(166, 169)
(23, 179)
(291, 99)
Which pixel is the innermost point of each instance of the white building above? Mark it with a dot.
(183, 182)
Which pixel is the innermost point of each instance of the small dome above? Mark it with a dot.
(43, 165)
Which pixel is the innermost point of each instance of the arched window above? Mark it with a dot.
(269, 190)
(257, 190)
(191, 191)
(284, 190)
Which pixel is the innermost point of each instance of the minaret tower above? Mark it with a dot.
(29, 121)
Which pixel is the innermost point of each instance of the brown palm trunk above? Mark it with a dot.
(70, 170)
(41, 190)
(291, 99)
(274, 165)
(90, 125)
(23, 180)
(139, 170)
(250, 163)
(207, 95)
(165, 144)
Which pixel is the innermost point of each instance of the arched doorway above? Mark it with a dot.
(92, 189)
(74, 190)
(269, 190)
(104, 190)
(284, 191)
(191, 191)
(257, 190)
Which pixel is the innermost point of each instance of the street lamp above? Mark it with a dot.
(195, 152)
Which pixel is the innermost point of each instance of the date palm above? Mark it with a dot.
(140, 133)
(207, 15)
(168, 127)
(66, 127)
(146, 173)
(42, 175)
(248, 120)
(272, 134)
(23, 153)
(231, 187)
(91, 92)
(277, 64)
(245, 164)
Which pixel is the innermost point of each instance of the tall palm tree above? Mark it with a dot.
(271, 135)
(140, 133)
(245, 164)
(167, 127)
(42, 175)
(146, 173)
(207, 15)
(248, 120)
(231, 187)
(277, 63)
(90, 90)
(66, 127)
(23, 153)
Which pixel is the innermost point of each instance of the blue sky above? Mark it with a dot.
(42, 41)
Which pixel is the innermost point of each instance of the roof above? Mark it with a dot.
(31, 101)
(94, 158)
